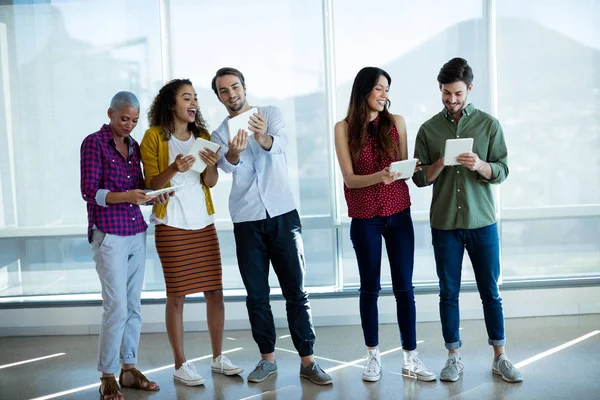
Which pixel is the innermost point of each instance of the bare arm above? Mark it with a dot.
(434, 170)
(402, 136)
(342, 150)
(210, 174)
(181, 164)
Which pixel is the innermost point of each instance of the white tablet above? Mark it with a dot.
(406, 168)
(240, 122)
(201, 144)
(454, 148)
(165, 190)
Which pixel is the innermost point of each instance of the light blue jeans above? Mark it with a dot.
(120, 262)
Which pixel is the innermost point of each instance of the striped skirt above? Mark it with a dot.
(191, 259)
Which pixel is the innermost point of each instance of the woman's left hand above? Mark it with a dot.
(163, 198)
(209, 157)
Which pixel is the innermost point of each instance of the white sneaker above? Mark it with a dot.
(223, 365)
(414, 368)
(188, 375)
(372, 371)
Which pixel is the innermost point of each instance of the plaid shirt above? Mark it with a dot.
(103, 170)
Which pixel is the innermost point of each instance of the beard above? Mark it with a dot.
(455, 107)
(237, 107)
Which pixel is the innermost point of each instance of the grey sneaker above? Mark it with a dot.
(503, 367)
(262, 371)
(315, 374)
(453, 368)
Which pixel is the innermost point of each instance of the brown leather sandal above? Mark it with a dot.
(111, 389)
(139, 381)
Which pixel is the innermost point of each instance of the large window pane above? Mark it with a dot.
(65, 61)
(550, 109)
(278, 46)
(280, 52)
(61, 63)
(549, 101)
(540, 249)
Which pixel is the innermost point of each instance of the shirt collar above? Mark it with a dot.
(467, 111)
(108, 136)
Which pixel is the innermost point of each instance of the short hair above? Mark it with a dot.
(456, 70)
(227, 71)
(122, 99)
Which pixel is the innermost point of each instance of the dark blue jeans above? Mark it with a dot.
(366, 236)
(278, 240)
(483, 248)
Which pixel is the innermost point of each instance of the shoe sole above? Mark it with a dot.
(255, 380)
(407, 374)
(451, 380)
(506, 379)
(322, 383)
(367, 378)
(198, 382)
(228, 372)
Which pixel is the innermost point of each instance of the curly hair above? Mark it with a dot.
(161, 110)
(359, 127)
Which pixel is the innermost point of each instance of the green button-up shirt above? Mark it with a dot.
(462, 199)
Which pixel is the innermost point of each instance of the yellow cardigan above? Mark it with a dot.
(155, 156)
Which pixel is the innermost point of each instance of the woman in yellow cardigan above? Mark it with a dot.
(186, 239)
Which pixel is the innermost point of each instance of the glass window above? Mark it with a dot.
(541, 249)
(549, 108)
(549, 104)
(61, 63)
(280, 52)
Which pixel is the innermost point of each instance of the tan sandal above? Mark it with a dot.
(111, 389)
(139, 381)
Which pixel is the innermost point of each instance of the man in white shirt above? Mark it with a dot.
(266, 225)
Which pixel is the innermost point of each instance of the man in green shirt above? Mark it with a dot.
(462, 212)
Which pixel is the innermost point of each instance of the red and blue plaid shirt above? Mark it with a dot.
(104, 169)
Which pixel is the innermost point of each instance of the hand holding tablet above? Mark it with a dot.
(164, 190)
(456, 147)
(406, 168)
(241, 121)
(201, 144)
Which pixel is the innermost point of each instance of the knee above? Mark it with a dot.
(214, 297)
(175, 303)
(404, 293)
(490, 296)
(296, 296)
(116, 312)
(369, 293)
(449, 294)
(257, 300)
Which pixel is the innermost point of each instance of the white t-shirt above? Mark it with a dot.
(187, 208)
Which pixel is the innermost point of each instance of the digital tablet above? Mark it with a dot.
(165, 190)
(454, 148)
(406, 168)
(240, 122)
(201, 144)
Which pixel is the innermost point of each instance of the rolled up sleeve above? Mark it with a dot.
(497, 156)
(276, 129)
(91, 173)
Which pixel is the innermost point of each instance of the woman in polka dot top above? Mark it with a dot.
(367, 141)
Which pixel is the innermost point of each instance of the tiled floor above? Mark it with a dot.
(569, 373)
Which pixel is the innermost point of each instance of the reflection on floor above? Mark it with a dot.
(554, 364)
